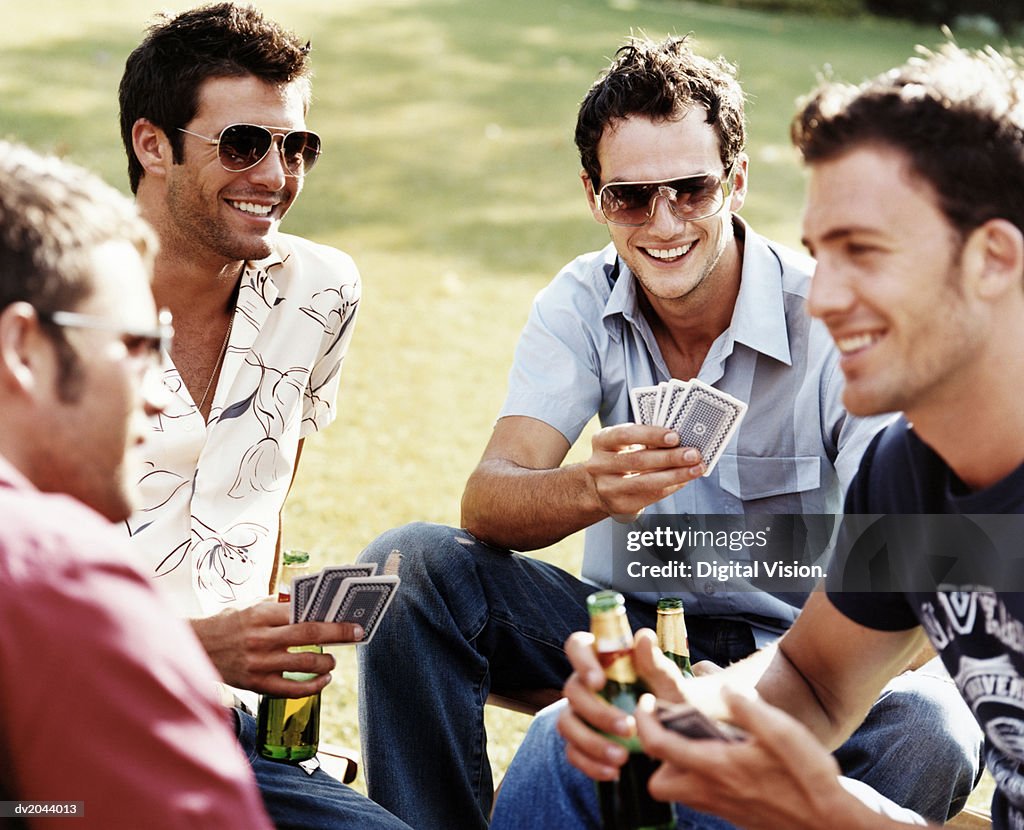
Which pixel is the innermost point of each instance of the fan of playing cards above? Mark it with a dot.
(704, 417)
(344, 593)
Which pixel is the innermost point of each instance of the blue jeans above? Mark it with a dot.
(541, 789)
(469, 619)
(296, 800)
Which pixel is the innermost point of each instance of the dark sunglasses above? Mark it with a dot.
(689, 198)
(241, 146)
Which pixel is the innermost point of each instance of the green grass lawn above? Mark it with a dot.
(449, 173)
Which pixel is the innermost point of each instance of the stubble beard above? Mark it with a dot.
(928, 369)
(654, 287)
(197, 230)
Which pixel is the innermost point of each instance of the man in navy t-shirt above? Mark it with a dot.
(915, 215)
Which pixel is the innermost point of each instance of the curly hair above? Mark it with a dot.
(662, 81)
(957, 116)
(163, 75)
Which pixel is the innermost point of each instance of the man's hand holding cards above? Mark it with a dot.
(691, 722)
(344, 594)
(703, 417)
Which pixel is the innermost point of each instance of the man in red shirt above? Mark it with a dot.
(105, 697)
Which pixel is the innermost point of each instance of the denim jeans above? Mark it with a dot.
(469, 619)
(541, 789)
(296, 800)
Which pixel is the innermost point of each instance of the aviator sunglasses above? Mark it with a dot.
(241, 146)
(689, 198)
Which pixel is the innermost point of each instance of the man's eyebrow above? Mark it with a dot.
(841, 233)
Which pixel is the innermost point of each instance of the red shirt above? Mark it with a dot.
(105, 697)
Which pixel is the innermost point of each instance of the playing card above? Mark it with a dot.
(302, 590)
(672, 392)
(325, 590)
(688, 720)
(644, 400)
(706, 418)
(363, 600)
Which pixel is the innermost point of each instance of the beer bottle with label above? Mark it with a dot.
(624, 804)
(287, 728)
(672, 639)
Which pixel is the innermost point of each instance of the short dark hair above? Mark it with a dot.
(53, 215)
(662, 81)
(162, 76)
(957, 116)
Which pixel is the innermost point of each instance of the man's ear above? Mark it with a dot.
(588, 187)
(19, 348)
(993, 259)
(738, 194)
(152, 147)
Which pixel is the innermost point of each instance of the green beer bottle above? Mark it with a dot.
(625, 804)
(672, 639)
(288, 729)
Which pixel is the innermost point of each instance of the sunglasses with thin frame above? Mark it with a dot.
(689, 198)
(243, 146)
(148, 343)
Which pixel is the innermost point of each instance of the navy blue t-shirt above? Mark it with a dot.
(978, 630)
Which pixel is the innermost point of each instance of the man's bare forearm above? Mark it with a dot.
(829, 670)
(513, 507)
(777, 681)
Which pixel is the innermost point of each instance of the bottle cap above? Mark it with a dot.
(602, 602)
(295, 557)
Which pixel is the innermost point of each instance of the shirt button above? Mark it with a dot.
(709, 589)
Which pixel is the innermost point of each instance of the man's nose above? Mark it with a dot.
(830, 291)
(661, 211)
(155, 394)
(271, 169)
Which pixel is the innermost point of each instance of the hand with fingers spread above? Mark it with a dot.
(780, 776)
(633, 465)
(249, 647)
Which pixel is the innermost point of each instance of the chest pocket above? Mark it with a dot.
(773, 485)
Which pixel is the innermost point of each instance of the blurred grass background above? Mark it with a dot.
(450, 174)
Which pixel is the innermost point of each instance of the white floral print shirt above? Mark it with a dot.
(212, 493)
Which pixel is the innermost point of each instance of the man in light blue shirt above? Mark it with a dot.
(685, 290)
(588, 342)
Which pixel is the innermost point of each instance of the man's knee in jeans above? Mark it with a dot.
(413, 541)
(945, 730)
(921, 745)
(423, 546)
(438, 569)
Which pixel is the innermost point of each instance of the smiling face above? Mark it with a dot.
(233, 215)
(671, 258)
(889, 284)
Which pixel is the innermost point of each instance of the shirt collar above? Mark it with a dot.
(759, 318)
(622, 301)
(274, 258)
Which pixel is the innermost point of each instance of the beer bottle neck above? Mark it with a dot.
(613, 642)
(672, 638)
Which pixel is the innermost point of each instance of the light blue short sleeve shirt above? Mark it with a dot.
(587, 343)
